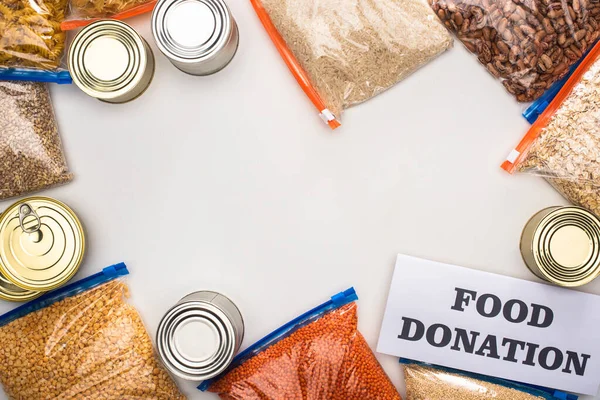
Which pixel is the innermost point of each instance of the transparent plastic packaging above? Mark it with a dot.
(563, 145)
(428, 382)
(31, 41)
(526, 45)
(317, 356)
(83, 341)
(31, 155)
(344, 52)
(84, 12)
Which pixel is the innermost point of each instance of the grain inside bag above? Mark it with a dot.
(344, 52)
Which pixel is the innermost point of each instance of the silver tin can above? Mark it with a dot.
(198, 337)
(110, 61)
(200, 37)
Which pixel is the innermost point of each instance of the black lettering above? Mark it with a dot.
(490, 345)
(512, 348)
(531, 349)
(461, 298)
(462, 336)
(573, 358)
(543, 358)
(446, 335)
(508, 311)
(536, 314)
(496, 305)
(406, 328)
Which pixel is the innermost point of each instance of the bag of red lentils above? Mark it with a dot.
(318, 356)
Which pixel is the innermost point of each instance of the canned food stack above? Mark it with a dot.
(41, 247)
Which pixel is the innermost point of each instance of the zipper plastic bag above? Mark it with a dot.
(344, 52)
(318, 356)
(84, 12)
(527, 46)
(563, 145)
(429, 382)
(31, 155)
(83, 341)
(31, 41)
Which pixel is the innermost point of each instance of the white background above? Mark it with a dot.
(232, 183)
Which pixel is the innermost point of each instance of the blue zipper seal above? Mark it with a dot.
(547, 393)
(106, 275)
(336, 301)
(35, 75)
(532, 113)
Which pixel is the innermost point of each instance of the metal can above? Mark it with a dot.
(198, 337)
(200, 37)
(41, 244)
(11, 292)
(110, 61)
(562, 245)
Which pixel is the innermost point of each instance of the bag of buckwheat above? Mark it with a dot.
(82, 341)
(344, 52)
(563, 145)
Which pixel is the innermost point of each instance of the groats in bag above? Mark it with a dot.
(428, 382)
(31, 41)
(317, 356)
(527, 45)
(31, 155)
(83, 341)
(84, 12)
(563, 145)
(344, 52)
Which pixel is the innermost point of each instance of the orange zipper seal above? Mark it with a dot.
(294, 66)
(132, 12)
(536, 129)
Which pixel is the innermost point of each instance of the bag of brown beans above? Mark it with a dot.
(429, 382)
(83, 341)
(528, 45)
(31, 155)
(318, 356)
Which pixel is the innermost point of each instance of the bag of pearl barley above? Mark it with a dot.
(429, 382)
(318, 356)
(83, 341)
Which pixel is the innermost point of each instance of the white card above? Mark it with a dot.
(493, 325)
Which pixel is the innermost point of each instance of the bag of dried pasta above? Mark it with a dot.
(318, 356)
(429, 382)
(31, 41)
(344, 52)
(82, 341)
(84, 12)
(563, 145)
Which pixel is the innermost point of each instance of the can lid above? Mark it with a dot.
(11, 292)
(107, 59)
(567, 246)
(41, 243)
(196, 341)
(191, 30)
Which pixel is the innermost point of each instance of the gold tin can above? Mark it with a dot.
(11, 292)
(562, 245)
(110, 61)
(41, 244)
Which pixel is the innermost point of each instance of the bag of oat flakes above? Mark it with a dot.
(344, 52)
(563, 145)
(82, 341)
